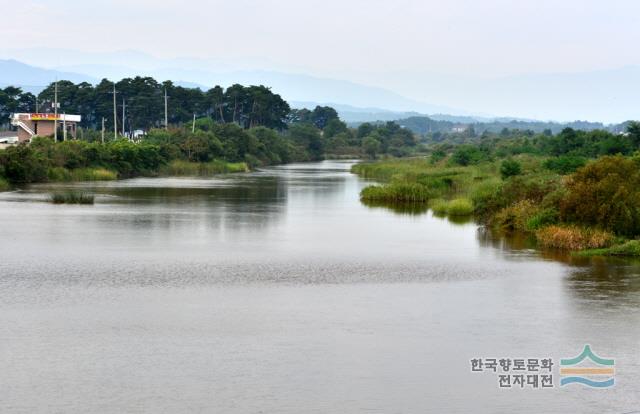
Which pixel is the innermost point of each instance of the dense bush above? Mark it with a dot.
(467, 155)
(605, 193)
(510, 168)
(565, 164)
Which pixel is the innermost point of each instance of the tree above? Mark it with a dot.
(371, 146)
(633, 129)
(321, 116)
(334, 127)
(308, 136)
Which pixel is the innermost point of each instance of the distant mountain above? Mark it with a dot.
(34, 79)
(291, 85)
(606, 95)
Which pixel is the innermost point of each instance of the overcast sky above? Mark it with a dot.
(367, 41)
(475, 37)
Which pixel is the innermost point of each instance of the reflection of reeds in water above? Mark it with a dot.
(71, 197)
(407, 208)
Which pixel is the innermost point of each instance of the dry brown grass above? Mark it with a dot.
(573, 238)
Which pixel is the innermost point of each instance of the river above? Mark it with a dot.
(277, 291)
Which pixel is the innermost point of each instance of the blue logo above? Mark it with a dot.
(597, 374)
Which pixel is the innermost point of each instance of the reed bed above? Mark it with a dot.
(72, 197)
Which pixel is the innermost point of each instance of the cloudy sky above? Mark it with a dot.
(391, 44)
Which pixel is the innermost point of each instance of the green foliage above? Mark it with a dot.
(542, 218)
(308, 137)
(371, 146)
(467, 155)
(605, 193)
(248, 106)
(565, 164)
(334, 127)
(437, 156)
(23, 164)
(4, 185)
(510, 168)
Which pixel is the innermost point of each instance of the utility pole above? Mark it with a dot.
(64, 126)
(166, 114)
(55, 113)
(103, 129)
(123, 115)
(193, 126)
(115, 114)
(37, 107)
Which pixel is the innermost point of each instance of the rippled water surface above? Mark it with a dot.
(278, 291)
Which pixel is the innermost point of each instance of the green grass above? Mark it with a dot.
(630, 248)
(71, 197)
(439, 206)
(4, 185)
(60, 174)
(197, 169)
(460, 207)
(396, 193)
(456, 207)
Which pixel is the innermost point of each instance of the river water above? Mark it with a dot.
(277, 291)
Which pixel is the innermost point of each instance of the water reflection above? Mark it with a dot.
(411, 209)
(278, 291)
(609, 280)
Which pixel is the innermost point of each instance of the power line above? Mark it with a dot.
(115, 114)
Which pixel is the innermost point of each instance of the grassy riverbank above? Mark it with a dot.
(61, 174)
(202, 169)
(597, 207)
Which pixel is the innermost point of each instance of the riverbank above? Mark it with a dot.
(595, 210)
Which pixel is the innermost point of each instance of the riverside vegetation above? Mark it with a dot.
(235, 130)
(578, 191)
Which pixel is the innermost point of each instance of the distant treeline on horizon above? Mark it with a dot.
(143, 100)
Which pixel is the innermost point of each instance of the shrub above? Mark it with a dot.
(71, 197)
(541, 219)
(467, 155)
(516, 216)
(573, 238)
(23, 164)
(606, 194)
(510, 168)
